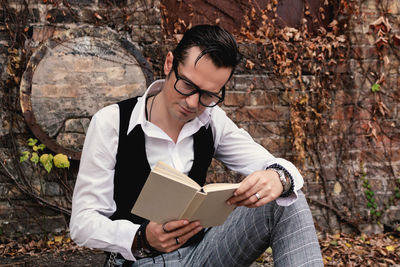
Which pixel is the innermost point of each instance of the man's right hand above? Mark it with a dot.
(172, 236)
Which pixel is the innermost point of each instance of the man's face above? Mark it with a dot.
(204, 75)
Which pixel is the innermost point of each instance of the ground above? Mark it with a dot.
(338, 250)
(79, 258)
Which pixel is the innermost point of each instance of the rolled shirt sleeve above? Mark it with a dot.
(239, 152)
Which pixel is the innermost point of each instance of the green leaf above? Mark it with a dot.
(372, 211)
(47, 161)
(397, 195)
(32, 141)
(35, 158)
(334, 243)
(25, 156)
(35, 148)
(61, 161)
(375, 87)
(41, 147)
(48, 166)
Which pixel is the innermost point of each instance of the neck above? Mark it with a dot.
(160, 116)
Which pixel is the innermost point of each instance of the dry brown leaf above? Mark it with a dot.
(381, 42)
(396, 39)
(249, 64)
(97, 15)
(381, 24)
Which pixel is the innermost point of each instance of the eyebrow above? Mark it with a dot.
(183, 77)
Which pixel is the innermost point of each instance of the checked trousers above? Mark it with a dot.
(246, 234)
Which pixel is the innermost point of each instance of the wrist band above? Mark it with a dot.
(144, 248)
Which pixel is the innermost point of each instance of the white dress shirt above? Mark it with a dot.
(93, 202)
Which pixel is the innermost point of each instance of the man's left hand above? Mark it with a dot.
(257, 189)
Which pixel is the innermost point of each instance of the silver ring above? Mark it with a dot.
(177, 241)
(258, 196)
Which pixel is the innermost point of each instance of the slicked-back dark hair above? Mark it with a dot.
(213, 41)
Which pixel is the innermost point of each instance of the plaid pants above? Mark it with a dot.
(247, 233)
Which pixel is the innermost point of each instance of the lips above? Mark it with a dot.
(186, 110)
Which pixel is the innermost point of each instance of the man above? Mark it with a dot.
(178, 121)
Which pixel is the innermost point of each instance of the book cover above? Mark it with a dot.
(171, 195)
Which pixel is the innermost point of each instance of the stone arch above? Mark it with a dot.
(71, 76)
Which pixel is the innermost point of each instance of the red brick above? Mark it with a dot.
(342, 113)
(364, 52)
(262, 114)
(274, 145)
(266, 129)
(238, 99)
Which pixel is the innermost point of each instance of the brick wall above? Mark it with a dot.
(358, 130)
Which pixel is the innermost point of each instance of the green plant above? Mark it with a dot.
(47, 160)
(375, 211)
(369, 194)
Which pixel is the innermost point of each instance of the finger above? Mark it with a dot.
(256, 188)
(174, 244)
(266, 194)
(184, 238)
(243, 193)
(246, 184)
(249, 201)
(174, 225)
(261, 202)
(184, 230)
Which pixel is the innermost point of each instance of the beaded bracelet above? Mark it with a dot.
(141, 240)
(287, 174)
(144, 248)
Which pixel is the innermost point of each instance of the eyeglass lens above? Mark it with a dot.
(206, 99)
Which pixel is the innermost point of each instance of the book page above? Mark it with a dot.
(163, 199)
(220, 186)
(194, 204)
(173, 173)
(214, 210)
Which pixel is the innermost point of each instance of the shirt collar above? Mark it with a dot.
(138, 115)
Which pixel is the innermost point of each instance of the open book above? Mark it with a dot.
(170, 195)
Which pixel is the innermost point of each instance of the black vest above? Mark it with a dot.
(132, 167)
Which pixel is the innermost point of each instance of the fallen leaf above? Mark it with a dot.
(58, 239)
(381, 24)
(337, 188)
(249, 64)
(390, 248)
(97, 15)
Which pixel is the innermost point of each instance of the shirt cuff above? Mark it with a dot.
(286, 201)
(127, 252)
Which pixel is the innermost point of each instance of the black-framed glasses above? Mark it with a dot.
(187, 88)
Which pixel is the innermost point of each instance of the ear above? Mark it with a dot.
(168, 63)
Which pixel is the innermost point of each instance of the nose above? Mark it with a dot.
(193, 101)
